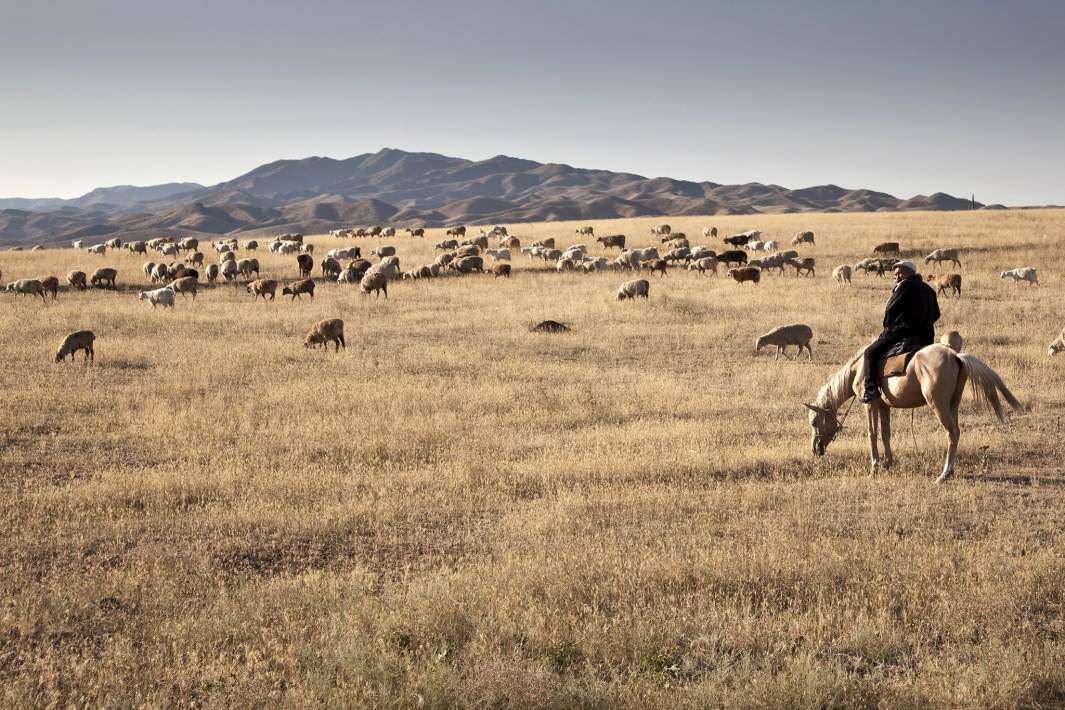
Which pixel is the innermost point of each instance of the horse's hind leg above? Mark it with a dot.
(885, 433)
(948, 417)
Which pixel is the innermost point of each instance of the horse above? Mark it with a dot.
(935, 376)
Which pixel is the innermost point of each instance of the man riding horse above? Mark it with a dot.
(909, 318)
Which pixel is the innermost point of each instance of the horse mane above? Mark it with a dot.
(840, 387)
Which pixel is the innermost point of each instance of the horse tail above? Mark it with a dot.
(986, 385)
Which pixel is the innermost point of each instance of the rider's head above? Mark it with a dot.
(904, 270)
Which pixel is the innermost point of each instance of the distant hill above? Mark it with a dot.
(413, 189)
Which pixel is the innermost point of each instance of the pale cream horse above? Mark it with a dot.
(935, 376)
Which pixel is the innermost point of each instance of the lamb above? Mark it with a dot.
(1058, 345)
(941, 255)
(803, 238)
(945, 283)
(499, 254)
(330, 267)
(100, 249)
(501, 270)
(802, 265)
(22, 287)
(297, 289)
(212, 272)
(631, 290)
(785, 335)
(160, 296)
(1028, 273)
(842, 275)
(377, 282)
(80, 340)
(952, 340)
(324, 332)
(184, 285)
(704, 265)
(658, 265)
(76, 279)
(102, 277)
(262, 287)
(745, 273)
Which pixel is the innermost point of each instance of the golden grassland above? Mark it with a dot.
(456, 511)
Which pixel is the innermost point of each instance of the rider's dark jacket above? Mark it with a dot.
(911, 311)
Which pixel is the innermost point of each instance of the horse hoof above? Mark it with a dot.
(944, 477)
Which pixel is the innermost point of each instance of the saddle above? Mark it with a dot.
(898, 357)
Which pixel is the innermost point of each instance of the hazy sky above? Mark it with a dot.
(905, 97)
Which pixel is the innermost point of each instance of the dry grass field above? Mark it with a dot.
(457, 512)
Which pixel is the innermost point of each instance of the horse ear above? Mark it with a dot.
(814, 408)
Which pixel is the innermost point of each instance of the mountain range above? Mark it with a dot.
(411, 189)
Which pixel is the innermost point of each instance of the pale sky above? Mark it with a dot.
(905, 97)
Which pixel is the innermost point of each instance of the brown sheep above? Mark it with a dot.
(376, 282)
(746, 273)
(419, 232)
(501, 270)
(324, 332)
(298, 288)
(262, 287)
(659, 265)
(305, 262)
(945, 283)
(76, 279)
(733, 256)
(104, 276)
(456, 232)
(185, 285)
(468, 264)
(612, 240)
(81, 340)
(887, 248)
(51, 285)
(802, 265)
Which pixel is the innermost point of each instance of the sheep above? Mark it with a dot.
(324, 332)
(745, 273)
(661, 229)
(480, 240)
(330, 267)
(349, 253)
(704, 265)
(418, 232)
(212, 272)
(754, 245)
(498, 254)
(73, 342)
(468, 264)
(194, 259)
(627, 259)
(803, 238)
(383, 251)
(1027, 273)
(100, 249)
(447, 244)
(184, 285)
(564, 265)
(498, 230)
(709, 232)
(945, 283)
(551, 254)
(737, 240)
(613, 240)
(22, 287)
(842, 275)
(307, 249)
(76, 279)
(467, 250)
(678, 254)
(160, 296)
(589, 231)
(137, 248)
(785, 335)
(501, 270)
(76, 243)
(250, 245)
(770, 246)
(376, 282)
(952, 340)
(659, 265)
(509, 243)
(802, 265)
(298, 288)
(675, 242)
(262, 287)
(305, 263)
(941, 255)
(594, 263)
(229, 270)
(169, 250)
(887, 248)
(548, 243)
(103, 276)
(773, 261)
(639, 288)
(1057, 345)
(188, 244)
(734, 256)
(349, 276)
(227, 256)
(701, 252)
(50, 284)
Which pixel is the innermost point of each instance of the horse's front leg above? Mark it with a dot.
(874, 454)
(885, 432)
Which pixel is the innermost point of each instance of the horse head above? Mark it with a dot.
(825, 426)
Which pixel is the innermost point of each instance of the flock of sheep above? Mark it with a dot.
(746, 256)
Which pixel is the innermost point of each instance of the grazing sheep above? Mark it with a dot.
(661, 229)
(170, 250)
(702, 252)
(549, 326)
(887, 248)
(941, 255)
(324, 332)
(737, 240)
(659, 265)
(501, 270)
(456, 232)
(564, 265)
(137, 247)
(802, 265)
(628, 259)
(640, 288)
(678, 254)
(467, 250)
(551, 254)
(842, 275)
(444, 260)
(307, 249)
(113, 243)
(498, 254)
(647, 253)
(447, 244)
(305, 263)
(76, 279)
(194, 259)
(104, 277)
(734, 256)
(785, 335)
(185, 285)
(22, 287)
(745, 273)
(754, 245)
(1027, 273)
(298, 288)
(349, 276)
(227, 256)
(709, 232)
(509, 243)
(100, 249)
(383, 251)
(674, 241)
(704, 265)
(773, 261)
(80, 340)
(212, 272)
(1057, 345)
(229, 270)
(468, 264)
(189, 244)
(952, 340)
(349, 253)
(50, 284)
(250, 245)
(159, 297)
(548, 243)
(262, 287)
(613, 240)
(330, 267)
(803, 238)
(377, 282)
(589, 231)
(945, 283)
(481, 240)
(418, 232)
(789, 254)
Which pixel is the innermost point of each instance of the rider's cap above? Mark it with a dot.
(906, 264)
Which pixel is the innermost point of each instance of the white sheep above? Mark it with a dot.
(1027, 273)
(159, 297)
(785, 335)
(499, 254)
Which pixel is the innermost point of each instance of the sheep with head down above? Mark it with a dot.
(797, 334)
(76, 279)
(375, 282)
(631, 290)
(80, 340)
(324, 332)
(298, 288)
